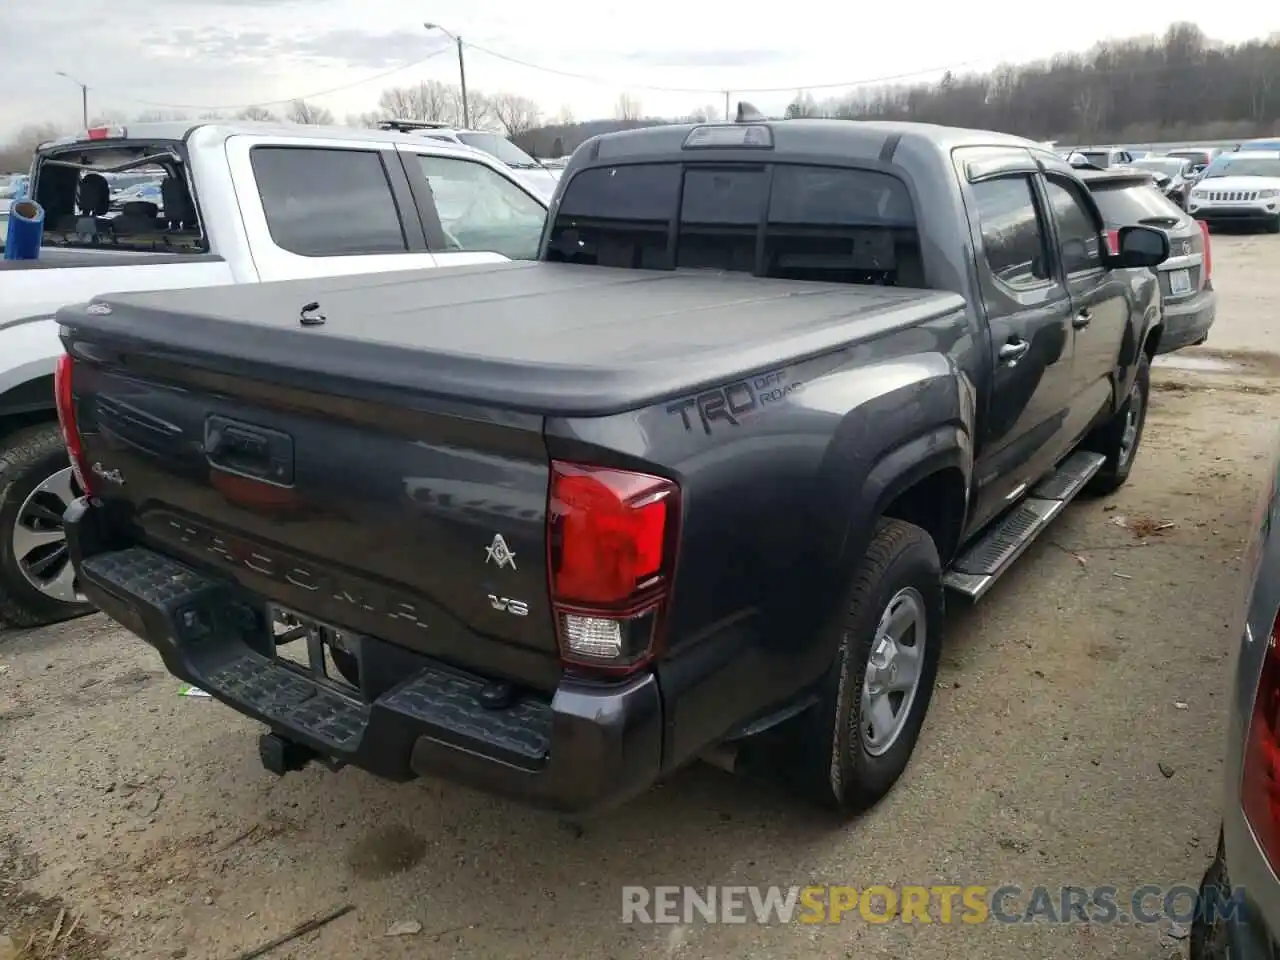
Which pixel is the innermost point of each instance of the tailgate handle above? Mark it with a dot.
(249, 450)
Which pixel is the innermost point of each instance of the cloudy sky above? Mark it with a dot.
(672, 55)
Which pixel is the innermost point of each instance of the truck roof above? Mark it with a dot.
(861, 139)
(214, 130)
(550, 338)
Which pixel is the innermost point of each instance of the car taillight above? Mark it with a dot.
(611, 543)
(1208, 249)
(65, 400)
(1113, 242)
(1260, 784)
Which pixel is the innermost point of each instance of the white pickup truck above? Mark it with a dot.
(241, 203)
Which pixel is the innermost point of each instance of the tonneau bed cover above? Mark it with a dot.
(551, 338)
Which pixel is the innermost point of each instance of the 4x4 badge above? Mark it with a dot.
(500, 553)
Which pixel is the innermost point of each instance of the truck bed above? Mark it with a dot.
(549, 338)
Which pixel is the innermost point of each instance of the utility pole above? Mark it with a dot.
(726, 105)
(462, 70)
(84, 96)
(462, 76)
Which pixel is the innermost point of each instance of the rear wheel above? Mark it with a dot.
(37, 581)
(848, 751)
(1273, 225)
(1118, 440)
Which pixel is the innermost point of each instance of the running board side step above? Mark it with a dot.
(980, 566)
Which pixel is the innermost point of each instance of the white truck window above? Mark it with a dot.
(327, 202)
(481, 210)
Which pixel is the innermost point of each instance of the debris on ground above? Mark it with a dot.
(1180, 705)
(301, 930)
(1143, 527)
(1165, 769)
(404, 928)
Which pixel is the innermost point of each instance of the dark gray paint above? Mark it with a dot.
(797, 416)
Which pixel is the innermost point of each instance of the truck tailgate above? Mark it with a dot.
(421, 523)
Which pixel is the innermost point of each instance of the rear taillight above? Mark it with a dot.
(611, 543)
(1113, 242)
(1260, 783)
(1208, 249)
(65, 400)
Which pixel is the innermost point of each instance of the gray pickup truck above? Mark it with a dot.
(692, 485)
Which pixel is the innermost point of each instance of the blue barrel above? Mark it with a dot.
(26, 227)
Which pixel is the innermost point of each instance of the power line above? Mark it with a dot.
(264, 103)
(719, 90)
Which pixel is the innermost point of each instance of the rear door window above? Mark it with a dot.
(1079, 236)
(1014, 241)
(481, 210)
(327, 202)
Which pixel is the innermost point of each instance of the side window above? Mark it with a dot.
(1078, 232)
(480, 209)
(327, 202)
(1013, 237)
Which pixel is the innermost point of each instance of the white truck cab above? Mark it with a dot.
(241, 202)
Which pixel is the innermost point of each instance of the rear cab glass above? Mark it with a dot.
(794, 221)
(123, 195)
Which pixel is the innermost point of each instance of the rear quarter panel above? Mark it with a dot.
(782, 474)
(1246, 864)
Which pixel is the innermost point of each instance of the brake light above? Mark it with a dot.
(104, 133)
(1260, 784)
(611, 542)
(65, 400)
(1208, 249)
(1113, 242)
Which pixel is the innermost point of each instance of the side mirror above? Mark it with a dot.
(1140, 247)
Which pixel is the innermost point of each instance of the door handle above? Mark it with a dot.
(1081, 320)
(1014, 350)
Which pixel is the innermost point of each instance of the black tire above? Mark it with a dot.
(1209, 939)
(1109, 440)
(825, 756)
(28, 458)
(1273, 225)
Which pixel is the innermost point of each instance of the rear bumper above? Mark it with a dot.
(588, 748)
(1188, 321)
(1239, 931)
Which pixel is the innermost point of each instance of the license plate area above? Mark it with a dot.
(1179, 282)
(323, 652)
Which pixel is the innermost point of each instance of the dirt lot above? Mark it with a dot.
(143, 818)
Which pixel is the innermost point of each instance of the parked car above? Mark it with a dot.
(1238, 914)
(1239, 187)
(1104, 157)
(1266, 145)
(533, 174)
(564, 526)
(241, 202)
(1126, 195)
(1200, 157)
(1172, 175)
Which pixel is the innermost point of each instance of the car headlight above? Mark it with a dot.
(1199, 194)
(1268, 194)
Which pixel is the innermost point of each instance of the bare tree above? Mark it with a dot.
(429, 100)
(161, 116)
(368, 120)
(16, 154)
(517, 114)
(627, 107)
(302, 112)
(255, 113)
(704, 114)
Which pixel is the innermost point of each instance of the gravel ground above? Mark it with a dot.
(1075, 739)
